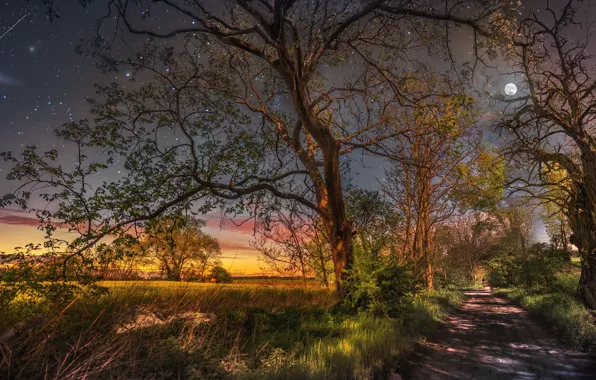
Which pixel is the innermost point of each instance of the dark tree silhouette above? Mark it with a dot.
(254, 102)
(553, 126)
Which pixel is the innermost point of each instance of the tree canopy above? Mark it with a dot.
(244, 107)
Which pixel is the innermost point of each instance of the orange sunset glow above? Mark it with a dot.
(18, 228)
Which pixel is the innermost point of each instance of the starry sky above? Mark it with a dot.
(43, 83)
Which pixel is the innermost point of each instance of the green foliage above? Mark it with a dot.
(430, 307)
(258, 333)
(502, 271)
(180, 246)
(378, 286)
(31, 286)
(25, 301)
(221, 275)
(536, 269)
(560, 311)
(566, 283)
(483, 187)
(374, 217)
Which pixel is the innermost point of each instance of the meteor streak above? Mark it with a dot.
(12, 27)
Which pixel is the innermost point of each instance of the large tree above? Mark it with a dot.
(440, 165)
(264, 100)
(553, 122)
(181, 247)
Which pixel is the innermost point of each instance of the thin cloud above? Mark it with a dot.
(17, 218)
(240, 225)
(232, 246)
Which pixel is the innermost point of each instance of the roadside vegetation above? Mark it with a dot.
(180, 330)
(555, 304)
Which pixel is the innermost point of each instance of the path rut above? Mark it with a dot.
(489, 338)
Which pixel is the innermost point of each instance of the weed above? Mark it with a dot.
(257, 333)
(560, 311)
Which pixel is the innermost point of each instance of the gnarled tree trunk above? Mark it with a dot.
(582, 220)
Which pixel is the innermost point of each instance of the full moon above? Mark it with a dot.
(510, 89)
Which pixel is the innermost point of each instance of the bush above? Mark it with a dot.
(24, 301)
(379, 287)
(536, 269)
(502, 271)
(566, 283)
(221, 275)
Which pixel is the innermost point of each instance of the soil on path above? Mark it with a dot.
(489, 338)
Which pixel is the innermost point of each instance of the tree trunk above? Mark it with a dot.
(587, 282)
(416, 250)
(339, 228)
(328, 189)
(564, 239)
(429, 274)
(582, 220)
(428, 260)
(303, 269)
(407, 246)
(323, 267)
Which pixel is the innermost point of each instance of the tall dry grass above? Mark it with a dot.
(259, 332)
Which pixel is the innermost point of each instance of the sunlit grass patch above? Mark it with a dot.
(566, 283)
(217, 297)
(366, 349)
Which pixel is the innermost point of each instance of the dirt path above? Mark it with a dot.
(489, 338)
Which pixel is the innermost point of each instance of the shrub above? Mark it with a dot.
(536, 269)
(566, 283)
(379, 287)
(221, 275)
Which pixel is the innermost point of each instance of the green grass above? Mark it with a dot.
(260, 332)
(277, 281)
(559, 310)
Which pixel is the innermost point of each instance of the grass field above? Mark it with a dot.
(276, 281)
(260, 281)
(264, 332)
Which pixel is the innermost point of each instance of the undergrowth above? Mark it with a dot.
(257, 333)
(559, 310)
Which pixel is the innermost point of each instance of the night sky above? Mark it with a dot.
(43, 83)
